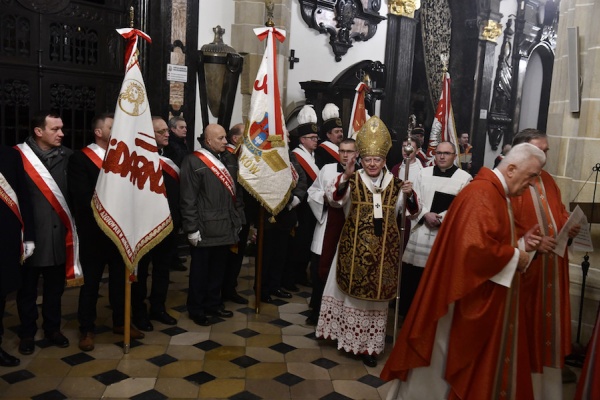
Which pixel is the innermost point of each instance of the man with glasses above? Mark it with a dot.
(162, 254)
(436, 187)
(330, 221)
(299, 252)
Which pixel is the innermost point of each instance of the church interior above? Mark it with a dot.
(513, 64)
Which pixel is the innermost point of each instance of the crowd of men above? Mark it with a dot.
(480, 279)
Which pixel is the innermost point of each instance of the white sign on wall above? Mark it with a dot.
(177, 73)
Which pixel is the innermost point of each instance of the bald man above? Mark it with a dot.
(212, 215)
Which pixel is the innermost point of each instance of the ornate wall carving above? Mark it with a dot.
(344, 21)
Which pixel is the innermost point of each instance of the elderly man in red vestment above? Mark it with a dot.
(545, 288)
(462, 337)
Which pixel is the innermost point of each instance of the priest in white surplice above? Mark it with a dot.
(436, 187)
(330, 221)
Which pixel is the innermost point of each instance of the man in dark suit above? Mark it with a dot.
(45, 160)
(161, 255)
(96, 249)
(16, 235)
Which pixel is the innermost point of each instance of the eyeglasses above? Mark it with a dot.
(444, 153)
(162, 131)
(315, 138)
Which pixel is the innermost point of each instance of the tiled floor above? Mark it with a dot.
(270, 355)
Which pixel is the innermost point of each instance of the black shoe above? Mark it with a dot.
(201, 320)
(143, 324)
(291, 287)
(164, 317)
(312, 320)
(282, 294)
(266, 299)
(236, 298)
(26, 346)
(58, 339)
(6, 360)
(369, 360)
(221, 312)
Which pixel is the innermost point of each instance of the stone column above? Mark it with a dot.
(250, 14)
(399, 55)
(489, 31)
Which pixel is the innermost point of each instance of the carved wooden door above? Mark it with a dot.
(60, 55)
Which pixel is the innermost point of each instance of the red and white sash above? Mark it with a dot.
(331, 149)
(8, 195)
(169, 167)
(217, 168)
(307, 163)
(95, 153)
(42, 178)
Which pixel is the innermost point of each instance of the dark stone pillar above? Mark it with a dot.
(484, 79)
(399, 54)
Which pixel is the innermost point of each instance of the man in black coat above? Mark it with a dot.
(212, 216)
(16, 235)
(47, 158)
(176, 148)
(96, 250)
(163, 254)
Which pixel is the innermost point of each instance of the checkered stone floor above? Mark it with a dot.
(269, 355)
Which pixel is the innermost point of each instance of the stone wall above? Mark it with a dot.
(574, 140)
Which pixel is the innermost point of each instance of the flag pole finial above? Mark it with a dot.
(270, 6)
(131, 15)
(444, 57)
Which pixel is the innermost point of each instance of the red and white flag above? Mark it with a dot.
(359, 112)
(443, 129)
(130, 202)
(264, 162)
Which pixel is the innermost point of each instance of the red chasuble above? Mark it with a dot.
(473, 245)
(545, 286)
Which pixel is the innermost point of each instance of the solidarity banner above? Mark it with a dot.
(264, 162)
(130, 202)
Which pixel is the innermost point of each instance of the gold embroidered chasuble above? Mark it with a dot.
(367, 264)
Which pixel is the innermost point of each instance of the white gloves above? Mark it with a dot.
(194, 238)
(294, 203)
(28, 248)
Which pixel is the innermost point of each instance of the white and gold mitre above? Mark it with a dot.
(373, 139)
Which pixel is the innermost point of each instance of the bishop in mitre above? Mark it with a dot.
(363, 276)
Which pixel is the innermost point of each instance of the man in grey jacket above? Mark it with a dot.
(212, 215)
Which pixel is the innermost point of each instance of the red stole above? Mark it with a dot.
(42, 178)
(217, 168)
(8, 195)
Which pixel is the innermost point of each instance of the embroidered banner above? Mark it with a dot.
(264, 161)
(130, 202)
